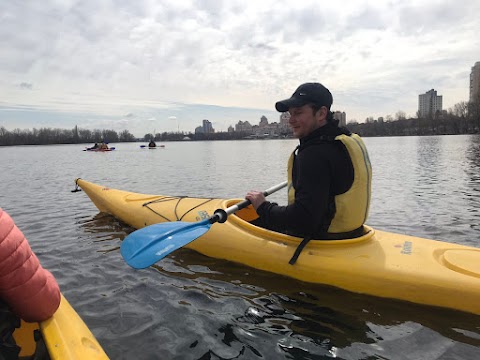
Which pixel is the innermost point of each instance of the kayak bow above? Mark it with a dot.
(65, 335)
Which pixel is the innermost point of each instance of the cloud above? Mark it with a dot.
(26, 86)
(185, 58)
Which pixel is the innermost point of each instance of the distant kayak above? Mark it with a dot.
(65, 335)
(99, 150)
(151, 147)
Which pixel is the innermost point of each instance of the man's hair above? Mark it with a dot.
(316, 107)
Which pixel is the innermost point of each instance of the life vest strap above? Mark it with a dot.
(327, 236)
(299, 249)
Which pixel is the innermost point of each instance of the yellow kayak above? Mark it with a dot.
(64, 337)
(379, 263)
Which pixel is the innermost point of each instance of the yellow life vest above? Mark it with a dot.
(352, 206)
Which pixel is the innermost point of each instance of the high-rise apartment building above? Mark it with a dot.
(475, 81)
(429, 103)
(206, 128)
(341, 116)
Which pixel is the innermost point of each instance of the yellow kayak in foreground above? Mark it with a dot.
(379, 263)
(65, 336)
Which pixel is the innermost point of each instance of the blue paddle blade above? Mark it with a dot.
(146, 246)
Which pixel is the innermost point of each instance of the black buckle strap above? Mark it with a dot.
(327, 236)
(299, 249)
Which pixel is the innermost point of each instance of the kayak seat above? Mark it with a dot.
(248, 214)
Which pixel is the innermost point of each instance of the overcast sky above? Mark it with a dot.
(148, 65)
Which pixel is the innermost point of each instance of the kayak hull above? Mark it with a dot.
(100, 150)
(379, 263)
(65, 335)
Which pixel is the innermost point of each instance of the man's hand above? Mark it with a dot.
(256, 198)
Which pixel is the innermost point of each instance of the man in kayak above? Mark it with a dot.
(329, 173)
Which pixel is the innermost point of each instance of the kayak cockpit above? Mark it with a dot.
(242, 218)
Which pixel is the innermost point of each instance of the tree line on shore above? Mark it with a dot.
(46, 136)
(461, 119)
(455, 121)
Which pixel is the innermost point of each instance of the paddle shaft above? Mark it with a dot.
(221, 215)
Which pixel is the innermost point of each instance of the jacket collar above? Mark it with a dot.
(328, 129)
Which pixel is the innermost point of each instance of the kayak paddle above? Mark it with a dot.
(146, 246)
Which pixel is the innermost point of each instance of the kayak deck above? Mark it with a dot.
(379, 263)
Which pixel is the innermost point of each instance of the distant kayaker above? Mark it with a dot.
(94, 147)
(152, 144)
(329, 173)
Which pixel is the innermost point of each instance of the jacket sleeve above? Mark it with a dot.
(31, 291)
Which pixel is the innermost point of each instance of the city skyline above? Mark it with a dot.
(147, 66)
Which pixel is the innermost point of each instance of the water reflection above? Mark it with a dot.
(472, 153)
(472, 171)
(429, 164)
(107, 231)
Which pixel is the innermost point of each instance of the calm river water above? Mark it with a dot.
(194, 307)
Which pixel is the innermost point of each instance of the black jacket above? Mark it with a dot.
(321, 170)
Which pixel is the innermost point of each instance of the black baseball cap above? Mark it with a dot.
(308, 93)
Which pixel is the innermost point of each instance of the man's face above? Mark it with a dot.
(303, 121)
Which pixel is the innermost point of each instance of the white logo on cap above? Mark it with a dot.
(302, 94)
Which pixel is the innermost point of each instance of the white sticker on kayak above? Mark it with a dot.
(407, 248)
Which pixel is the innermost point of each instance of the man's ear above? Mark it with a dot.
(322, 113)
